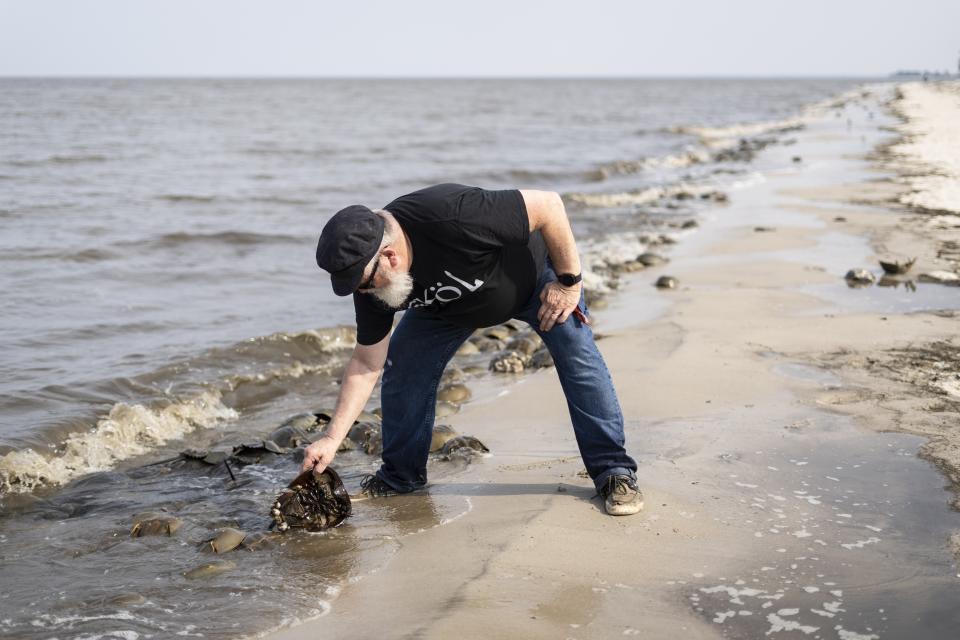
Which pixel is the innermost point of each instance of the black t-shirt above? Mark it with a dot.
(475, 262)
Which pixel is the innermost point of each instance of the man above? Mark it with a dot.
(458, 258)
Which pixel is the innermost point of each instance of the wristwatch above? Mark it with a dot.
(568, 279)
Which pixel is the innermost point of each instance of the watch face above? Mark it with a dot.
(567, 279)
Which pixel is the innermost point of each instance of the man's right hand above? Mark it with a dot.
(320, 454)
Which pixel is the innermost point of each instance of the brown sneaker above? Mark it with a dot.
(621, 496)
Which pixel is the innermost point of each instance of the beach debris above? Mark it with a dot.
(442, 433)
(895, 267)
(859, 278)
(227, 539)
(454, 393)
(508, 362)
(939, 277)
(797, 159)
(154, 524)
(651, 259)
(463, 446)
(840, 219)
(313, 502)
(666, 282)
(210, 569)
(762, 229)
(689, 224)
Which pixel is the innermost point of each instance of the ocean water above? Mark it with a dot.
(160, 292)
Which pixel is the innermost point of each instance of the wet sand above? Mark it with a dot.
(782, 497)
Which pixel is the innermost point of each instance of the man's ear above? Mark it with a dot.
(391, 255)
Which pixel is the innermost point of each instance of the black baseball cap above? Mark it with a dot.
(348, 242)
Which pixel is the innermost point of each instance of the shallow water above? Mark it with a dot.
(847, 527)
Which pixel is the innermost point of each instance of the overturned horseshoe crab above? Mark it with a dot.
(896, 267)
(312, 501)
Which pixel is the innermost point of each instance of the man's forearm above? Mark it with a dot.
(355, 389)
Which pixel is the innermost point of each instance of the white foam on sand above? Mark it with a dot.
(929, 154)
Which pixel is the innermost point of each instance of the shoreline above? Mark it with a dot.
(535, 557)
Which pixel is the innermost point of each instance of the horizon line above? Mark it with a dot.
(797, 76)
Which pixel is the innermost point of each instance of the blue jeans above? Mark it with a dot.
(423, 344)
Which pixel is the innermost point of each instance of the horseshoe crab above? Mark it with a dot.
(467, 349)
(254, 452)
(463, 446)
(666, 282)
(287, 436)
(455, 393)
(485, 344)
(226, 540)
(526, 344)
(442, 433)
(896, 267)
(859, 278)
(210, 569)
(153, 524)
(361, 433)
(541, 359)
(445, 409)
(498, 333)
(312, 502)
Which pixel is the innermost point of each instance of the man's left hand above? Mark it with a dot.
(557, 303)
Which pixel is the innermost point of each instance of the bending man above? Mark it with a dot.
(458, 258)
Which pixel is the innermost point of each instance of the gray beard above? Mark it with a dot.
(396, 291)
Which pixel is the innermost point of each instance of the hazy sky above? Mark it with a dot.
(489, 37)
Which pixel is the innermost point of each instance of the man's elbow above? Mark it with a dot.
(543, 207)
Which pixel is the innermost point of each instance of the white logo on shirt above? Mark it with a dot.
(444, 293)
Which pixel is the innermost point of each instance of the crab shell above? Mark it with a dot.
(312, 502)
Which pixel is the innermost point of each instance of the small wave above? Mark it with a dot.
(726, 135)
(328, 340)
(531, 176)
(642, 196)
(282, 200)
(243, 238)
(672, 161)
(295, 370)
(37, 253)
(185, 197)
(60, 159)
(126, 431)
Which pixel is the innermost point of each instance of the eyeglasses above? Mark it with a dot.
(368, 283)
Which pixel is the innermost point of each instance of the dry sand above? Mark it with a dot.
(760, 403)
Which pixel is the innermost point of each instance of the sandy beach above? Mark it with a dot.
(776, 413)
